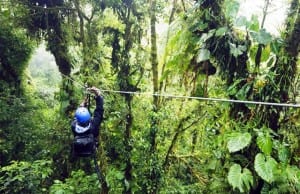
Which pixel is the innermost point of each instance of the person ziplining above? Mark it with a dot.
(86, 128)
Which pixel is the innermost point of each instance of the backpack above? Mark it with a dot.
(84, 144)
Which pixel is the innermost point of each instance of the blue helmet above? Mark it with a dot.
(82, 115)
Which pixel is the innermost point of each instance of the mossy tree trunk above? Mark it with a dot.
(154, 175)
(285, 68)
(122, 44)
(47, 20)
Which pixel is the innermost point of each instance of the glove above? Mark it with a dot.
(95, 91)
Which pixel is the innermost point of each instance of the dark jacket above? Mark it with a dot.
(95, 122)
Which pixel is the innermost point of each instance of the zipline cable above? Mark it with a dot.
(207, 99)
(194, 97)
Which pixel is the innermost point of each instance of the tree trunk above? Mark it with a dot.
(285, 69)
(154, 61)
(154, 172)
(58, 46)
(121, 64)
(82, 32)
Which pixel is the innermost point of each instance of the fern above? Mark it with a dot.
(241, 180)
(238, 141)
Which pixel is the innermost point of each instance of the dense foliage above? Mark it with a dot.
(149, 143)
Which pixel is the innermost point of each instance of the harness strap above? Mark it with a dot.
(97, 168)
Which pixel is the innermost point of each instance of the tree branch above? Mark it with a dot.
(179, 131)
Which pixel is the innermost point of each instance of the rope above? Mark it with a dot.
(97, 168)
(88, 96)
(194, 97)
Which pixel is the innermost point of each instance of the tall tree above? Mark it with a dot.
(122, 45)
(15, 52)
(154, 173)
(15, 48)
(49, 19)
(88, 36)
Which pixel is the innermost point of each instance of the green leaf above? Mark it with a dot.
(233, 89)
(293, 174)
(241, 180)
(262, 37)
(231, 8)
(205, 37)
(265, 143)
(64, 104)
(283, 154)
(203, 55)
(265, 167)
(5, 12)
(241, 21)
(212, 164)
(254, 23)
(243, 92)
(221, 31)
(238, 141)
(119, 175)
(276, 45)
(199, 26)
(265, 53)
(237, 50)
(60, 191)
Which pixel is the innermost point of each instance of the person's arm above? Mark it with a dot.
(98, 112)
